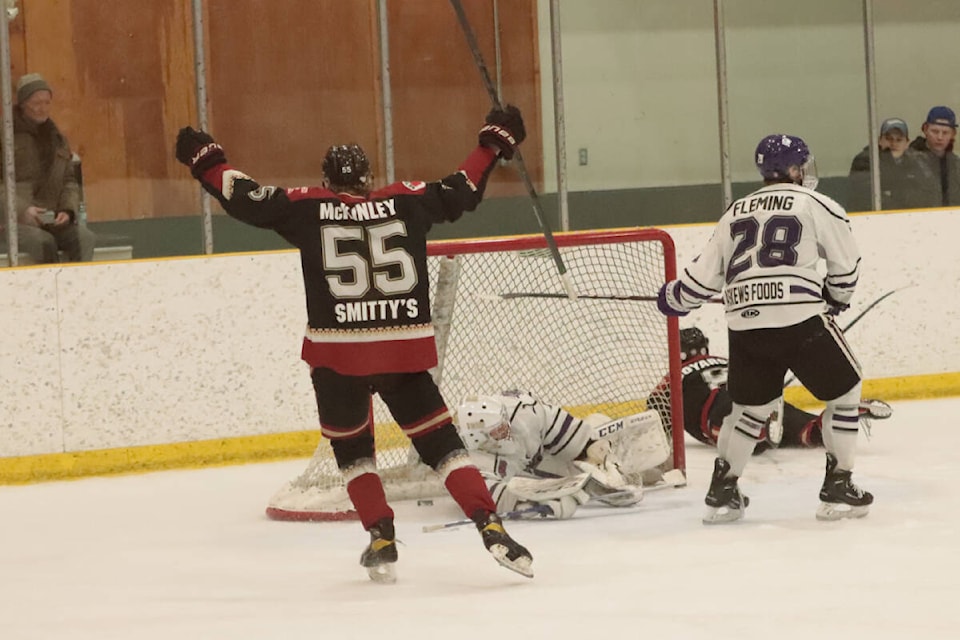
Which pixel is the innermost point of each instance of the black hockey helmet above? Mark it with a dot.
(693, 343)
(346, 165)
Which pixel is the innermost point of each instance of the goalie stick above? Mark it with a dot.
(540, 509)
(521, 166)
(672, 479)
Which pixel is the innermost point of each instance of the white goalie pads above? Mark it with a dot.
(541, 489)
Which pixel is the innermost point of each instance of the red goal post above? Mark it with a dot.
(503, 321)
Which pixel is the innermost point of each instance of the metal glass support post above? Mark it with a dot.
(559, 124)
(871, 70)
(9, 175)
(388, 148)
(200, 64)
(719, 35)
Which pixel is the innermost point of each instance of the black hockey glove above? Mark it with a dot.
(834, 308)
(503, 130)
(197, 150)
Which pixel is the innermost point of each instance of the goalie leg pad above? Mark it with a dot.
(541, 489)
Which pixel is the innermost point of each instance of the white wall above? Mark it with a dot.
(640, 84)
(112, 355)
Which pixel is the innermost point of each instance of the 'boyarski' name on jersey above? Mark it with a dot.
(364, 260)
(763, 258)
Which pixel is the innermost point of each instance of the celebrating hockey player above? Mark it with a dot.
(763, 258)
(540, 460)
(363, 254)
(706, 402)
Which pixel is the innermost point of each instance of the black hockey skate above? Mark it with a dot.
(724, 501)
(839, 497)
(380, 556)
(501, 546)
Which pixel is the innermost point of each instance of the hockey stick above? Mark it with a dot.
(540, 509)
(535, 294)
(857, 319)
(521, 166)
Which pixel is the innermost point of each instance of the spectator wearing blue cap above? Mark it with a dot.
(936, 147)
(906, 180)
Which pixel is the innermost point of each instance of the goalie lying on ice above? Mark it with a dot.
(532, 453)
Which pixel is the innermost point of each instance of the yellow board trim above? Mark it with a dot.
(299, 444)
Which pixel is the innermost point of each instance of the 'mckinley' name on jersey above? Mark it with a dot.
(366, 310)
(738, 294)
(357, 212)
(767, 203)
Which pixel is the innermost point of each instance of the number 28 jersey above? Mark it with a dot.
(364, 260)
(764, 255)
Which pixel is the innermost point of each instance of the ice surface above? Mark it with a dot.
(189, 554)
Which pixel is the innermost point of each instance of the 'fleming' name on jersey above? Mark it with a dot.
(768, 202)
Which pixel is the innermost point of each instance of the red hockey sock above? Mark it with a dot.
(467, 487)
(366, 493)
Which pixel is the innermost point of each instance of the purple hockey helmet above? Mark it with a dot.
(778, 152)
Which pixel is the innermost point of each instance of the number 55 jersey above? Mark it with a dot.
(363, 258)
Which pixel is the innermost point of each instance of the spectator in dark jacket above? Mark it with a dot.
(936, 147)
(47, 193)
(906, 180)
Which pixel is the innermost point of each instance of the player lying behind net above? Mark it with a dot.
(706, 402)
(539, 459)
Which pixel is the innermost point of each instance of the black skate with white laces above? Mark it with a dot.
(724, 501)
(501, 546)
(380, 556)
(839, 497)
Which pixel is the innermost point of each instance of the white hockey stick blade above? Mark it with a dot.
(672, 479)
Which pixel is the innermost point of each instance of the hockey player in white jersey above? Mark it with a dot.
(539, 455)
(763, 259)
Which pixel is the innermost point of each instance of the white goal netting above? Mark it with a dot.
(503, 322)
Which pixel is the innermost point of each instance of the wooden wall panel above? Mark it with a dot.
(301, 76)
(439, 100)
(123, 85)
(286, 79)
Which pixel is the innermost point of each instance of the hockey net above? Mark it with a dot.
(504, 322)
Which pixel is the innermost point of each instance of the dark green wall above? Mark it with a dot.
(158, 237)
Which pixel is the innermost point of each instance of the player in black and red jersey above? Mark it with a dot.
(364, 260)
(706, 401)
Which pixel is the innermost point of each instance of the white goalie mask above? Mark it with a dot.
(483, 422)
